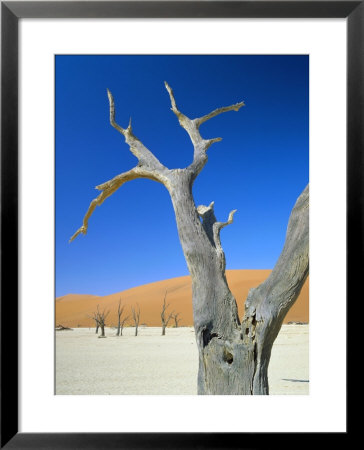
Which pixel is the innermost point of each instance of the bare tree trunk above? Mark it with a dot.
(102, 331)
(267, 305)
(234, 359)
(215, 311)
(233, 356)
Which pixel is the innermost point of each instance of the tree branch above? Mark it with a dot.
(137, 148)
(267, 305)
(109, 188)
(192, 127)
(218, 111)
(148, 167)
(212, 228)
(169, 317)
(207, 215)
(216, 231)
(274, 297)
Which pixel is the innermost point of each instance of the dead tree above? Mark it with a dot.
(100, 319)
(165, 318)
(122, 324)
(176, 319)
(233, 354)
(94, 317)
(121, 321)
(136, 317)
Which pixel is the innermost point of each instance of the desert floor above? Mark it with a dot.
(155, 364)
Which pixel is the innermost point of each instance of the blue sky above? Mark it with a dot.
(259, 168)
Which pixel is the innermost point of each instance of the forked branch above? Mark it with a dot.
(275, 296)
(192, 127)
(137, 148)
(148, 165)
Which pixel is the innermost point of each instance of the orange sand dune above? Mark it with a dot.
(73, 309)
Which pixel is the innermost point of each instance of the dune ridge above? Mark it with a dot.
(72, 310)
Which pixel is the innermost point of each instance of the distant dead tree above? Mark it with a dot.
(100, 319)
(136, 317)
(165, 318)
(93, 317)
(121, 320)
(176, 319)
(122, 324)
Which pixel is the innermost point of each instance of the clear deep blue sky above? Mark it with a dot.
(259, 168)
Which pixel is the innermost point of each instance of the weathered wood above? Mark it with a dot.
(233, 356)
(267, 305)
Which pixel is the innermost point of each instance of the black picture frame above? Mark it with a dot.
(11, 12)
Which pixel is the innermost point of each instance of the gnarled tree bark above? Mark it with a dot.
(233, 354)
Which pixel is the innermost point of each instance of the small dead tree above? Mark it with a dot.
(176, 319)
(234, 353)
(122, 324)
(93, 317)
(100, 318)
(121, 320)
(165, 318)
(136, 317)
